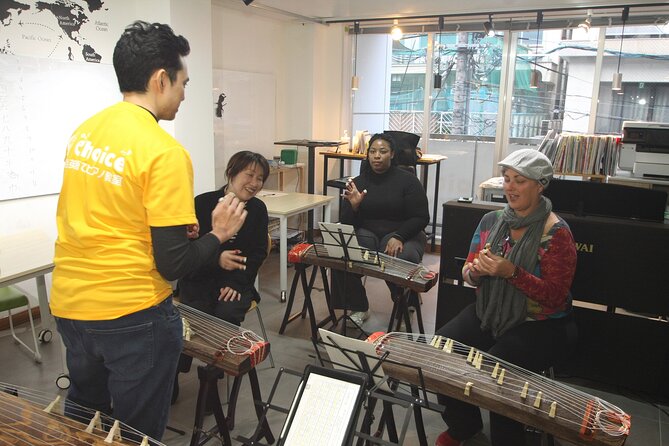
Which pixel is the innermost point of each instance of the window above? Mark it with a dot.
(462, 119)
(469, 64)
(644, 63)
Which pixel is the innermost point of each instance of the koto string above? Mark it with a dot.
(514, 380)
(218, 333)
(393, 265)
(404, 350)
(619, 430)
(41, 399)
(44, 421)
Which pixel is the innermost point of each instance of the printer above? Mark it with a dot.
(645, 149)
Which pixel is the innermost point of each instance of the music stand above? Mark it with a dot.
(341, 243)
(324, 409)
(353, 354)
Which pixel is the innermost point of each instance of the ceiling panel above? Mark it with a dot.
(361, 9)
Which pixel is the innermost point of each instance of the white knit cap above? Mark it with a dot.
(531, 164)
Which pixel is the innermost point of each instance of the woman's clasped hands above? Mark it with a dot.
(489, 264)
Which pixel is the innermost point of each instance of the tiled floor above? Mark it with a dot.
(650, 424)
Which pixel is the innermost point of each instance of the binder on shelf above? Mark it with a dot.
(580, 154)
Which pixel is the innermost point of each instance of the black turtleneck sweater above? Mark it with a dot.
(395, 203)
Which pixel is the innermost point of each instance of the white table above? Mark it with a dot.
(282, 205)
(25, 256)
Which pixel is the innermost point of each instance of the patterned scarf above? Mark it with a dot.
(500, 305)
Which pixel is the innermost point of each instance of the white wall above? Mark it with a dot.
(193, 125)
(305, 60)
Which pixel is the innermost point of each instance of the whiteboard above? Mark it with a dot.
(42, 102)
(247, 120)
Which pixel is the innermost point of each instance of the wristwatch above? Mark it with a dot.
(515, 273)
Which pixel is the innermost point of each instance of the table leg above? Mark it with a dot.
(42, 297)
(328, 211)
(283, 253)
(325, 174)
(434, 207)
(310, 190)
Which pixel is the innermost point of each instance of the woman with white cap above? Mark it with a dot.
(522, 261)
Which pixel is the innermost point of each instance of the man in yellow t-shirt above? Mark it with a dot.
(124, 217)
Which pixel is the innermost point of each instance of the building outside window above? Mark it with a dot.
(462, 119)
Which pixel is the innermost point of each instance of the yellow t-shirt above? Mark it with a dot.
(123, 173)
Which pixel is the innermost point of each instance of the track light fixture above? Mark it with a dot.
(617, 83)
(396, 31)
(489, 27)
(534, 78)
(587, 23)
(437, 77)
(355, 82)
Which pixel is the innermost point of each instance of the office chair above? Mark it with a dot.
(10, 299)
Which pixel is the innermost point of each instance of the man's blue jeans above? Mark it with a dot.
(125, 367)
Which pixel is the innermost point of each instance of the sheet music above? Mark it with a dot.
(333, 244)
(323, 413)
(339, 359)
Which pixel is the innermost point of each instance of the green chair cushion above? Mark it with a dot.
(11, 298)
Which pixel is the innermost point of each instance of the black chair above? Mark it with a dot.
(406, 145)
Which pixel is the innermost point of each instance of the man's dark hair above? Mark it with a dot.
(144, 48)
(241, 160)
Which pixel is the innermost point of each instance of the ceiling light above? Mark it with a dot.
(355, 82)
(436, 84)
(535, 77)
(617, 83)
(396, 31)
(587, 23)
(489, 27)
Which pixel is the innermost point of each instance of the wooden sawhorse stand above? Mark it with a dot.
(307, 286)
(208, 376)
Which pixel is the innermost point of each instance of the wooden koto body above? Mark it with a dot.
(26, 422)
(220, 343)
(456, 370)
(400, 272)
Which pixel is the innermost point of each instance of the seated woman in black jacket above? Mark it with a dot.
(225, 285)
(389, 210)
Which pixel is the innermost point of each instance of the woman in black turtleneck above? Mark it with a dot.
(388, 208)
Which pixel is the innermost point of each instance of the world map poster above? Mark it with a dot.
(55, 71)
(75, 30)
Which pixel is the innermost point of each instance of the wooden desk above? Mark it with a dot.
(281, 170)
(425, 162)
(311, 146)
(25, 256)
(282, 205)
